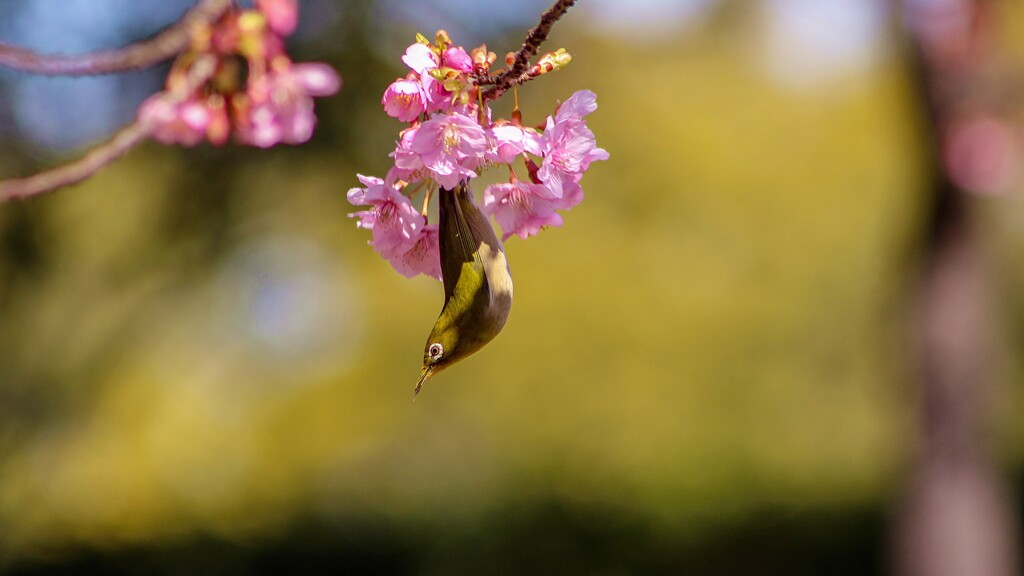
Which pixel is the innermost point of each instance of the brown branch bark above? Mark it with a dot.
(163, 46)
(103, 154)
(77, 170)
(517, 73)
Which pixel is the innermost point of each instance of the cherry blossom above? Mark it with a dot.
(272, 104)
(451, 147)
(423, 258)
(420, 58)
(451, 138)
(395, 223)
(520, 208)
(282, 15)
(569, 146)
(408, 165)
(509, 141)
(404, 99)
(281, 104)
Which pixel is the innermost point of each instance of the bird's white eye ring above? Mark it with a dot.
(435, 351)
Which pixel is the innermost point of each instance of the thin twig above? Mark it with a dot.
(514, 74)
(520, 80)
(142, 54)
(76, 170)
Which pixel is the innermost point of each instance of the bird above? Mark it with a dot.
(477, 283)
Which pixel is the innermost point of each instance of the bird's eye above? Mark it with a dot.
(435, 351)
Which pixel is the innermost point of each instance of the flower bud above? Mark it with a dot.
(481, 60)
(442, 40)
(553, 61)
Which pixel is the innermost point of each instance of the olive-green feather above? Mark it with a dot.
(477, 282)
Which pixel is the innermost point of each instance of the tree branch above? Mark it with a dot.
(76, 170)
(517, 72)
(103, 154)
(142, 54)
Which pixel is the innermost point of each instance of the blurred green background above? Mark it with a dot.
(707, 370)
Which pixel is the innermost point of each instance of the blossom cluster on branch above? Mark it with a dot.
(452, 137)
(231, 75)
(247, 85)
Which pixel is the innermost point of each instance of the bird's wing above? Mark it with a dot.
(457, 243)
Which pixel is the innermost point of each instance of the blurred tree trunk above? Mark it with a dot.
(958, 517)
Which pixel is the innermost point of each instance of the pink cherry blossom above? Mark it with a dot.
(421, 59)
(404, 100)
(569, 148)
(282, 15)
(281, 104)
(571, 194)
(423, 258)
(508, 141)
(451, 147)
(408, 166)
(520, 208)
(395, 223)
(459, 140)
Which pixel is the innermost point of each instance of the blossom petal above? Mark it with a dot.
(519, 209)
(420, 58)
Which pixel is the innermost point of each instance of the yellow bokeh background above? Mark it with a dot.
(202, 342)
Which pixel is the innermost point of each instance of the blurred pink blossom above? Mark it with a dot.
(281, 104)
(981, 155)
(170, 122)
(207, 98)
(282, 15)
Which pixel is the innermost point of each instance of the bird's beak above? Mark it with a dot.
(425, 375)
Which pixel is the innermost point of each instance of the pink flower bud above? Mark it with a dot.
(282, 15)
(457, 58)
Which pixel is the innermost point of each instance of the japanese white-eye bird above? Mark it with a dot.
(477, 283)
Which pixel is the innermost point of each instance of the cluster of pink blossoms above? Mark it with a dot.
(451, 138)
(236, 77)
